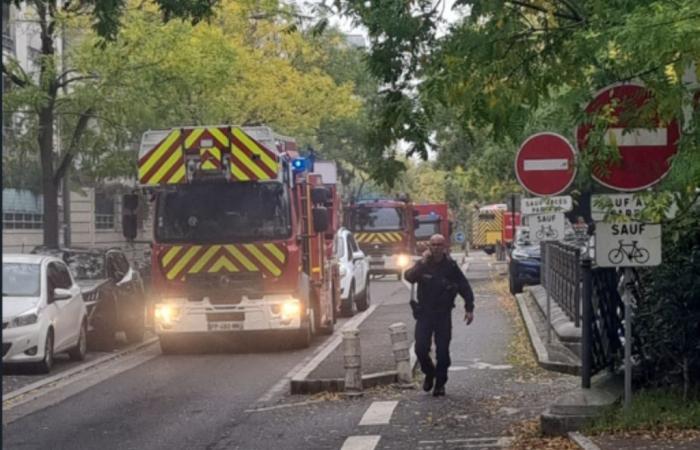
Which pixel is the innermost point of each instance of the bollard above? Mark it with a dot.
(400, 346)
(353, 363)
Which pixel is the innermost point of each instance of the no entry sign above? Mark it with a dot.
(545, 164)
(645, 147)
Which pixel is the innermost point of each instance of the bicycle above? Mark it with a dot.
(634, 254)
(546, 233)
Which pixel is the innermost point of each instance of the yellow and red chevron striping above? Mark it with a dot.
(177, 261)
(165, 162)
(378, 238)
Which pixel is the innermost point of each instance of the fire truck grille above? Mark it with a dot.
(223, 289)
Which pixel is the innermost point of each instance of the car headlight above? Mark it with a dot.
(166, 313)
(23, 320)
(291, 309)
(403, 260)
(342, 271)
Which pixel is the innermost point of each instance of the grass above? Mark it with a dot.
(655, 411)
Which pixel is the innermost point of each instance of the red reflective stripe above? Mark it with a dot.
(161, 160)
(255, 160)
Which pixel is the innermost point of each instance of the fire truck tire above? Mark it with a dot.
(170, 345)
(302, 338)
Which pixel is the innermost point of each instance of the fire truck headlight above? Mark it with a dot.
(403, 260)
(291, 309)
(166, 313)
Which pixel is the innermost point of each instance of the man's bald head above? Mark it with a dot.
(437, 247)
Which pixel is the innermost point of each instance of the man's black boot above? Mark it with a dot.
(428, 383)
(439, 391)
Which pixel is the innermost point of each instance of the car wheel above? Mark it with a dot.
(45, 365)
(515, 285)
(78, 352)
(363, 301)
(347, 306)
(135, 331)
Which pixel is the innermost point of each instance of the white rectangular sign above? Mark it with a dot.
(629, 205)
(628, 244)
(539, 205)
(546, 227)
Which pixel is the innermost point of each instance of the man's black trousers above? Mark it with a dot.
(438, 324)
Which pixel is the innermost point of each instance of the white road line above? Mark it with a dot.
(637, 137)
(360, 443)
(531, 165)
(477, 442)
(378, 413)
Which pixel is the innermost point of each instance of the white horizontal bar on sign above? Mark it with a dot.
(530, 165)
(638, 137)
(360, 443)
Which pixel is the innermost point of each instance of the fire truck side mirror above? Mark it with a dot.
(320, 217)
(130, 203)
(320, 195)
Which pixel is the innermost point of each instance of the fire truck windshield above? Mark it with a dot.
(376, 219)
(224, 213)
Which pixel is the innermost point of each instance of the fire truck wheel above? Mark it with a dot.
(302, 338)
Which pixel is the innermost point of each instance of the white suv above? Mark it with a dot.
(43, 312)
(354, 274)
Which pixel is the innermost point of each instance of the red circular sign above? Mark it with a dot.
(546, 164)
(645, 148)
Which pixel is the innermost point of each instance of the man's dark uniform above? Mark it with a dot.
(438, 285)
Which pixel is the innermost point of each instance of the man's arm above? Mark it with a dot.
(463, 288)
(413, 274)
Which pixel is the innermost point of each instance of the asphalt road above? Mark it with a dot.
(176, 402)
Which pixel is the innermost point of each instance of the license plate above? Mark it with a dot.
(224, 326)
(377, 261)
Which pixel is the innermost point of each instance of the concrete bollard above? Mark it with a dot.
(353, 363)
(400, 347)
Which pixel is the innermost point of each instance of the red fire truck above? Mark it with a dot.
(384, 231)
(432, 218)
(242, 229)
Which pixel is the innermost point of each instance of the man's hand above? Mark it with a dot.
(426, 256)
(468, 317)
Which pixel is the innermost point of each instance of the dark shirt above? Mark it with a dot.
(439, 283)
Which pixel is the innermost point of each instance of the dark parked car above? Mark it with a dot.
(523, 264)
(113, 293)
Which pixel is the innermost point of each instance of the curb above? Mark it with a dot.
(7, 398)
(582, 441)
(538, 346)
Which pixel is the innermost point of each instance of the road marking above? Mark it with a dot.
(478, 442)
(637, 137)
(311, 362)
(360, 443)
(286, 405)
(378, 413)
(532, 165)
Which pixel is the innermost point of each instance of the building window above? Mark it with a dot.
(22, 221)
(104, 211)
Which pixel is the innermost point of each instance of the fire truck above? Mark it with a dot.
(432, 218)
(384, 230)
(243, 229)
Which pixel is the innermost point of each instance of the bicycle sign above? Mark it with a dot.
(628, 244)
(546, 227)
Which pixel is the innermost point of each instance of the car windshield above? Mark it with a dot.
(21, 280)
(366, 218)
(224, 213)
(86, 265)
(427, 229)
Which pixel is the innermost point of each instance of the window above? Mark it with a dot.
(365, 218)
(350, 252)
(20, 280)
(22, 221)
(340, 247)
(353, 244)
(59, 277)
(104, 211)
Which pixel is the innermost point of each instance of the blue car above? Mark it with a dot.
(523, 266)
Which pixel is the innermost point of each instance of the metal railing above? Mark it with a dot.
(561, 276)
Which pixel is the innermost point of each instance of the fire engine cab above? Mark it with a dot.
(242, 228)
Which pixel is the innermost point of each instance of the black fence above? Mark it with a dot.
(561, 276)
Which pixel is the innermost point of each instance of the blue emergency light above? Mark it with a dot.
(304, 163)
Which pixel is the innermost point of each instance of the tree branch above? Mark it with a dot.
(78, 131)
(74, 79)
(20, 82)
(555, 13)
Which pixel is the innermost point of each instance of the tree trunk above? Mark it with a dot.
(48, 186)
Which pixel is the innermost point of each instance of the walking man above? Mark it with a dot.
(439, 280)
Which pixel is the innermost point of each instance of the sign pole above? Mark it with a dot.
(548, 288)
(627, 298)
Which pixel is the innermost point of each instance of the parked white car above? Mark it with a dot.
(43, 312)
(354, 274)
